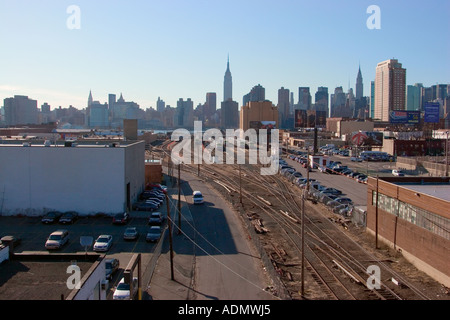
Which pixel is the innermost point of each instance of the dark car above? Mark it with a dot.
(68, 217)
(332, 191)
(51, 217)
(131, 233)
(121, 218)
(144, 206)
(111, 266)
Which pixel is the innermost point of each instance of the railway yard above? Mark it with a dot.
(339, 256)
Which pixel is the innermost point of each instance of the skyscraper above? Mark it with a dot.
(359, 85)
(304, 98)
(20, 110)
(321, 99)
(160, 105)
(283, 106)
(258, 93)
(390, 88)
(227, 84)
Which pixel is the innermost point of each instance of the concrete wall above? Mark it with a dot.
(88, 179)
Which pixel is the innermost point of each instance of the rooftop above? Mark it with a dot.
(39, 276)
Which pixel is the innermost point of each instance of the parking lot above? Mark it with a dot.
(33, 233)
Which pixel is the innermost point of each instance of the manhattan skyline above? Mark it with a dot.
(179, 49)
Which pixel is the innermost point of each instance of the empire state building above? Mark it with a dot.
(227, 84)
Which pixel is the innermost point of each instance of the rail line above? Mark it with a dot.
(338, 268)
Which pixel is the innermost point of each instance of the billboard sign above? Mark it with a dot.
(431, 112)
(404, 117)
(310, 119)
(300, 119)
(367, 138)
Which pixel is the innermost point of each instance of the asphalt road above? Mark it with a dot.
(226, 266)
(350, 187)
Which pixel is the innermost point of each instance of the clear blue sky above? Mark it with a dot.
(178, 48)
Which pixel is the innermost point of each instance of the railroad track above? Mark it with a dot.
(336, 263)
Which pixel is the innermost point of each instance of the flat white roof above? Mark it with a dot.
(440, 191)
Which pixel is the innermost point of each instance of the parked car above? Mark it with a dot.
(333, 191)
(131, 233)
(356, 159)
(144, 206)
(122, 291)
(103, 242)
(154, 202)
(155, 218)
(57, 239)
(197, 197)
(361, 178)
(121, 218)
(68, 217)
(111, 266)
(51, 217)
(343, 200)
(398, 173)
(153, 234)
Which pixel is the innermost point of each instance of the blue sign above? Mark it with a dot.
(431, 112)
(405, 117)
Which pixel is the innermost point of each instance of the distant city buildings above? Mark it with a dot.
(388, 91)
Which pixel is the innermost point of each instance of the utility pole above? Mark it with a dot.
(240, 182)
(303, 245)
(446, 155)
(179, 200)
(376, 218)
(170, 237)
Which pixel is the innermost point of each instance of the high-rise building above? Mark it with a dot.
(304, 98)
(390, 88)
(359, 85)
(337, 102)
(413, 97)
(184, 114)
(229, 118)
(291, 104)
(254, 113)
(321, 99)
(227, 83)
(258, 93)
(160, 105)
(372, 99)
(211, 104)
(97, 114)
(20, 110)
(283, 107)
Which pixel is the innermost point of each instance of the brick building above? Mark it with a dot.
(412, 214)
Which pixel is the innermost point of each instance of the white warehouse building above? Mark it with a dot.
(86, 178)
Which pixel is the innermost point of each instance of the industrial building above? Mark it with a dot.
(412, 215)
(86, 177)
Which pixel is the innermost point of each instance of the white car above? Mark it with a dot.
(398, 173)
(103, 242)
(57, 239)
(197, 197)
(122, 291)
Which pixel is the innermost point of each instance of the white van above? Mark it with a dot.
(197, 197)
